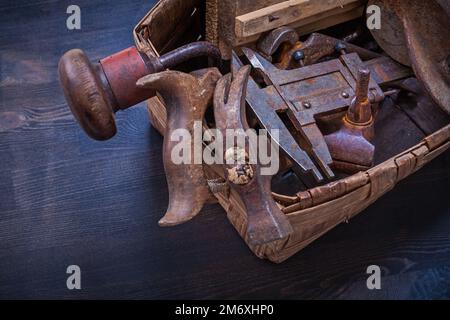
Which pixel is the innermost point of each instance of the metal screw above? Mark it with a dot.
(345, 95)
(341, 48)
(298, 55)
(307, 105)
(362, 84)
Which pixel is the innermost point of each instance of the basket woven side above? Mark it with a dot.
(318, 210)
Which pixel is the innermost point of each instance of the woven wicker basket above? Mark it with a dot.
(312, 212)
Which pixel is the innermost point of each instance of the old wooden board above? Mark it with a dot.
(233, 23)
(65, 199)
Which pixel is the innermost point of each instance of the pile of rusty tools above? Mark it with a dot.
(322, 92)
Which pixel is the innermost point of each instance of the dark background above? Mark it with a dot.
(66, 199)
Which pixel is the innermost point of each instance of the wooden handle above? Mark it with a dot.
(96, 91)
(86, 95)
(187, 97)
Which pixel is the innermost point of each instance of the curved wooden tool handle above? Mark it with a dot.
(265, 221)
(429, 49)
(187, 97)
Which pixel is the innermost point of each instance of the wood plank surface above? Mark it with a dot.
(66, 199)
(283, 13)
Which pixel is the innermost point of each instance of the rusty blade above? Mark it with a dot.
(319, 45)
(415, 33)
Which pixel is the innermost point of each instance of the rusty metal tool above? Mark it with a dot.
(265, 104)
(307, 93)
(316, 47)
(265, 221)
(350, 146)
(271, 42)
(415, 34)
(294, 53)
(95, 92)
(187, 96)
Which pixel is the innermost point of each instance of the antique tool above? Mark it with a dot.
(263, 105)
(311, 209)
(95, 92)
(412, 97)
(318, 46)
(296, 54)
(350, 146)
(414, 33)
(265, 221)
(312, 91)
(272, 41)
(187, 97)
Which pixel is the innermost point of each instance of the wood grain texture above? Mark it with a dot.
(283, 13)
(243, 21)
(66, 199)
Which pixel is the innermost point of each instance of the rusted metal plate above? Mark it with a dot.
(308, 92)
(314, 91)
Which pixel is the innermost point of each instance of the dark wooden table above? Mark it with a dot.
(66, 199)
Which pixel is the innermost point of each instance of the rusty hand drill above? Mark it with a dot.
(350, 146)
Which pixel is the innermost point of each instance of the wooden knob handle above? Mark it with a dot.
(86, 95)
(95, 92)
